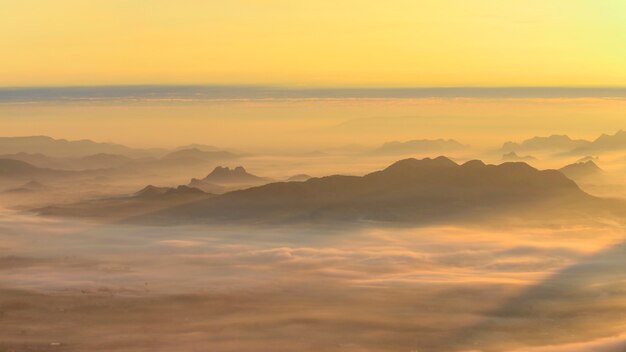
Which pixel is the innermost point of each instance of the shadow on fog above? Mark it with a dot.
(583, 302)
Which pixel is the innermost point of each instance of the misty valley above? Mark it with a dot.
(417, 245)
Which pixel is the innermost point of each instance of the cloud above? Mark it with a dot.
(608, 344)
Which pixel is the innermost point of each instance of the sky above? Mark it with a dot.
(353, 43)
(306, 75)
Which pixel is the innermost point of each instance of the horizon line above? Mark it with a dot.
(243, 91)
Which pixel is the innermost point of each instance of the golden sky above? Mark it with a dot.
(313, 43)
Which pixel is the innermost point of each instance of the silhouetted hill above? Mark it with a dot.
(419, 146)
(10, 168)
(225, 175)
(64, 148)
(16, 170)
(151, 192)
(582, 170)
(147, 200)
(409, 190)
(604, 143)
(550, 143)
(178, 158)
(35, 159)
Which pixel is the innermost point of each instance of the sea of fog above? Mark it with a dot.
(70, 286)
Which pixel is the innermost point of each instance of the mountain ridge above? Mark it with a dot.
(407, 190)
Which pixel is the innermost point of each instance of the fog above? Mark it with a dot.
(69, 285)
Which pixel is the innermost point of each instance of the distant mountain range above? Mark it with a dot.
(568, 146)
(153, 192)
(44, 151)
(16, 169)
(103, 161)
(550, 143)
(419, 146)
(582, 171)
(604, 143)
(147, 200)
(409, 190)
(64, 148)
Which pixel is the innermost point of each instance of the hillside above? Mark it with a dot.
(409, 190)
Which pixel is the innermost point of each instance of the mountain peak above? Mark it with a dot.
(582, 170)
(150, 191)
(604, 143)
(474, 163)
(227, 171)
(412, 163)
(184, 190)
(224, 174)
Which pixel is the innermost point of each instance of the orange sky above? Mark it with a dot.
(313, 43)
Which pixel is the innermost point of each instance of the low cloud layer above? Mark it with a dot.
(372, 289)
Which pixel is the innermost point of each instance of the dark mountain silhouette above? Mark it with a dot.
(149, 199)
(550, 143)
(604, 143)
(409, 190)
(64, 148)
(582, 171)
(512, 156)
(151, 191)
(238, 175)
(299, 178)
(419, 146)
